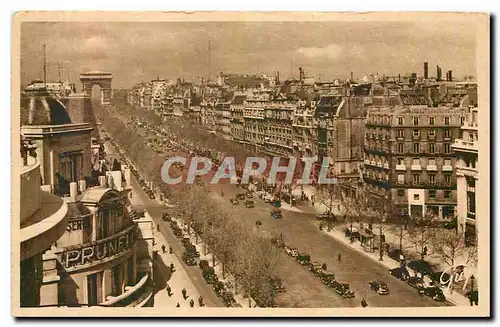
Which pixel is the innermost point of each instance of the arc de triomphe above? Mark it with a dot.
(103, 79)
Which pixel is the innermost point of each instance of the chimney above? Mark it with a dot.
(352, 76)
(426, 70)
(301, 74)
(277, 77)
(450, 75)
(73, 191)
(399, 77)
(438, 73)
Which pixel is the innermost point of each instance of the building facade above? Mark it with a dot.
(465, 149)
(409, 159)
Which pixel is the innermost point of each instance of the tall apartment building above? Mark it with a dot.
(278, 123)
(466, 151)
(237, 121)
(409, 159)
(254, 116)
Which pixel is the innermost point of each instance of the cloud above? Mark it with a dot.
(332, 51)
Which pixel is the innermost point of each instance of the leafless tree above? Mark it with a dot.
(450, 245)
(421, 234)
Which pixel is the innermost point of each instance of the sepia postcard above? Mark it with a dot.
(250, 164)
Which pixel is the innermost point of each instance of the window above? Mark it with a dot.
(416, 197)
(401, 133)
(401, 193)
(400, 148)
(416, 133)
(432, 179)
(401, 178)
(432, 194)
(446, 120)
(401, 161)
(416, 147)
(432, 148)
(431, 120)
(400, 120)
(447, 178)
(447, 148)
(416, 161)
(71, 166)
(447, 194)
(447, 134)
(432, 162)
(416, 178)
(415, 121)
(432, 133)
(462, 120)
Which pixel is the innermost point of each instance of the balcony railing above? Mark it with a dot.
(400, 167)
(416, 167)
(431, 168)
(134, 296)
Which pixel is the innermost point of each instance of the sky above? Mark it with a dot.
(141, 51)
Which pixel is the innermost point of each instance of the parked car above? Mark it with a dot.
(440, 278)
(435, 293)
(395, 254)
(209, 275)
(219, 288)
(166, 217)
(327, 277)
(234, 201)
(189, 259)
(249, 203)
(186, 241)
(276, 203)
(241, 196)
(293, 252)
(342, 289)
(450, 224)
(191, 248)
(203, 263)
(303, 259)
(415, 282)
(228, 299)
(315, 267)
(380, 287)
(276, 214)
(420, 266)
(326, 216)
(400, 273)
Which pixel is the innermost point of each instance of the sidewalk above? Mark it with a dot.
(163, 276)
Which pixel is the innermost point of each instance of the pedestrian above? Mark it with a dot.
(339, 257)
(184, 293)
(178, 305)
(191, 303)
(163, 248)
(170, 249)
(200, 301)
(172, 269)
(363, 303)
(158, 227)
(420, 290)
(169, 291)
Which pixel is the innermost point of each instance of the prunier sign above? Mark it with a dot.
(77, 257)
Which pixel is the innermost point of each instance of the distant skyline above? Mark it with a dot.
(137, 51)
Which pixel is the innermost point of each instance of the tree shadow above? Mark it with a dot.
(162, 274)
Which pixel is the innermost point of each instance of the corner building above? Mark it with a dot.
(408, 159)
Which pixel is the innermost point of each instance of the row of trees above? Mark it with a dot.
(250, 256)
(424, 234)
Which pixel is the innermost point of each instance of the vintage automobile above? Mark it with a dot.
(249, 195)
(379, 286)
(286, 198)
(415, 282)
(276, 214)
(189, 259)
(186, 241)
(241, 196)
(276, 203)
(420, 266)
(234, 201)
(219, 288)
(325, 216)
(249, 203)
(277, 284)
(209, 275)
(400, 273)
(293, 252)
(315, 267)
(203, 264)
(228, 299)
(166, 217)
(303, 259)
(352, 232)
(342, 289)
(435, 293)
(178, 233)
(395, 254)
(173, 224)
(191, 248)
(440, 278)
(327, 277)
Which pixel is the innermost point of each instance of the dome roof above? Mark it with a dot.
(42, 109)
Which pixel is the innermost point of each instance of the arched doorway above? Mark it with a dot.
(102, 79)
